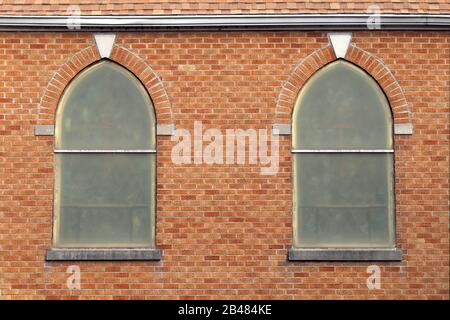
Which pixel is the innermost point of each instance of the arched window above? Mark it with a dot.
(105, 161)
(342, 162)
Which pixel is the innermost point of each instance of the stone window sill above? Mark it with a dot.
(331, 254)
(77, 254)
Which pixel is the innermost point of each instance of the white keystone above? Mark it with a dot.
(340, 43)
(104, 43)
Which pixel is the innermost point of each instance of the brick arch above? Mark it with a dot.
(319, 58)
(90, 55)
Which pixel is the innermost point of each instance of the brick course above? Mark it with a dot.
(224, 229)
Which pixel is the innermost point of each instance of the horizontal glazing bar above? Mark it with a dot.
(105, 151)
(342, 151)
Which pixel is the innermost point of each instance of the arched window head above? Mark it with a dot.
(343, 161)
(342, 107)
(105, 107)
(105, 161)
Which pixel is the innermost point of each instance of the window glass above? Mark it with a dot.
(341, 107)
(345, 199)
(105, 107)
(342, 197)
(105, 198)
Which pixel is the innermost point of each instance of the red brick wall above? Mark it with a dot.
(224, 229)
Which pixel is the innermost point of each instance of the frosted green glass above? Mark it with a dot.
(105, 199)
(105, 107)
(341, 107)
(344, 200)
